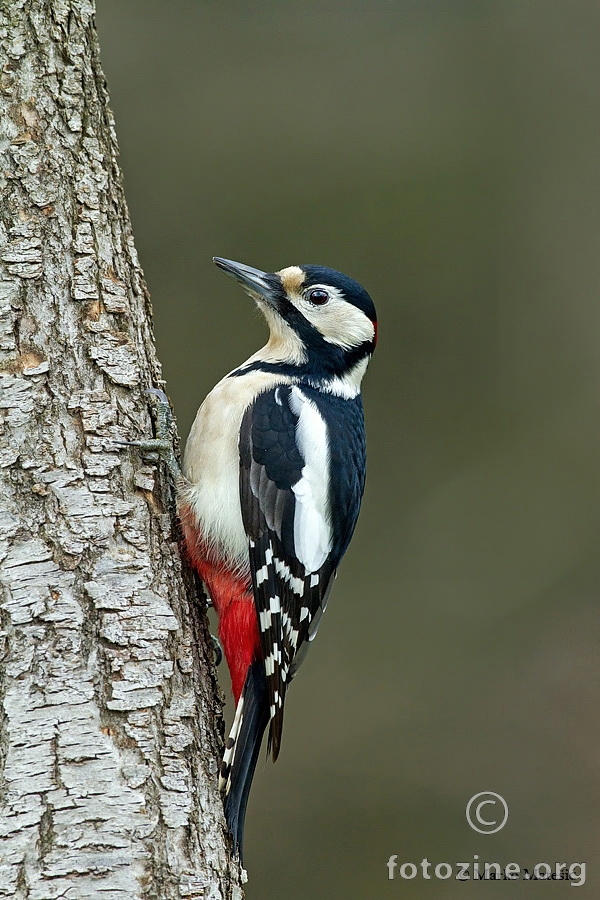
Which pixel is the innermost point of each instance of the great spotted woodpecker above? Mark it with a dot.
(274, 471)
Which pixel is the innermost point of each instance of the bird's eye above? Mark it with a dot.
(318, 296)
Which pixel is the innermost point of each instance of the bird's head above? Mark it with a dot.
(321, 321)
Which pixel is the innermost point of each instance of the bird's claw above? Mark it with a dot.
(218, 650)
(160, 394)
(151, 445)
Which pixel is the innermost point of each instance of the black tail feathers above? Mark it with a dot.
(243, 747)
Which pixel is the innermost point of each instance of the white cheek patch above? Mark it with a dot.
(312, 532)
(341, 323)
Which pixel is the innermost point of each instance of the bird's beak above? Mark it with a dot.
(257, 283)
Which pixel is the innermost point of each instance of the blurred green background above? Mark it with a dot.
(446, 155)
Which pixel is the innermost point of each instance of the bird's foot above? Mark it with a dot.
(162, 444)
(218, 650)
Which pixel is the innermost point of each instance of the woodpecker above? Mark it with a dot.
(273, 476)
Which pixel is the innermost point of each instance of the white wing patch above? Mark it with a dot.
(312, 531)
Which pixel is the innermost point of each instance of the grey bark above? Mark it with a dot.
(110, 719)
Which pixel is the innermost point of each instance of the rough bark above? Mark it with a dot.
(110, 721)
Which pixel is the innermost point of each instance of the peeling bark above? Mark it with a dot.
(110, 721)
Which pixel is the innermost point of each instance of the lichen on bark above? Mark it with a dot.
(110, 720)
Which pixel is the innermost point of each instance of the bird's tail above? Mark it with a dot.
(242, 749)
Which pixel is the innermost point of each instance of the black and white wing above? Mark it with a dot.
(300, 491)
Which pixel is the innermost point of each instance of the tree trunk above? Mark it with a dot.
(110, 721)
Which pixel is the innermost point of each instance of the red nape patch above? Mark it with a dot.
(375, 332)
(232, 599)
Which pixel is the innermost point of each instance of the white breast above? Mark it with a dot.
(211, 462)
